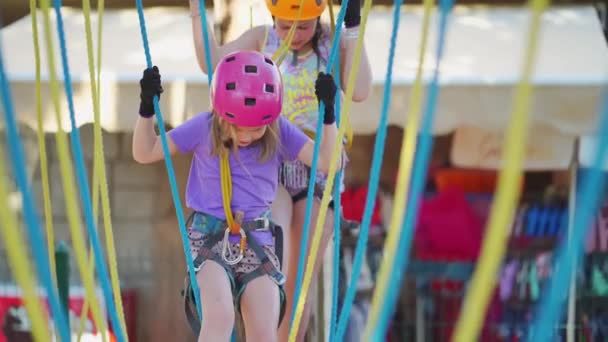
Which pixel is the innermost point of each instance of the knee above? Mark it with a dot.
(263, 332)
(219, 318)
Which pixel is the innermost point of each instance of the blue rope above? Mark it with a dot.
(81, 176)
(418, 180)
(374, 179)
(551, 306)
(315, 161)
(39, 249)
(170, 172)
(337, 226)
(202, 10)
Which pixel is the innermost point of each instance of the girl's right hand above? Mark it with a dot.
(150, 85)
(325, 89)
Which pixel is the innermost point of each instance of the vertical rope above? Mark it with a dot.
(16, 153)
(336, 155)
(81, 177)
(337, 223)
(19, 261)
(408, 147)
(387, 303)
(72, 210)
(372, 190)
(169, 164)
(100, 183)
(315, 159)
(507, 194)
(569, 253)
(44, 168)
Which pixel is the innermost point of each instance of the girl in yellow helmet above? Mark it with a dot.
(309, 53)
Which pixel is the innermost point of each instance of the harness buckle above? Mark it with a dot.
(227, 252)
(278, 278)
(263, 223)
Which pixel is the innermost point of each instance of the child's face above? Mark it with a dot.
(245, 136)
(303, 35)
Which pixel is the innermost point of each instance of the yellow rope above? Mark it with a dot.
(507, 194)
(314, 248)
(226, 181)
(44, 168)
(406, 159)
(95, 178)
(19, 262)
(283, 49)
(99, 172)
(67, 175)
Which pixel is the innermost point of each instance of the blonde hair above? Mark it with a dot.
(223, 137)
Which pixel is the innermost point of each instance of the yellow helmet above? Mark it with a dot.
(288, 9)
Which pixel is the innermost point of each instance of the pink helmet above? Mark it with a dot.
(247, 89)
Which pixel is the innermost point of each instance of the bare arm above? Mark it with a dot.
(250, 40)
(328, 143)
(147, 146)
(363, 83)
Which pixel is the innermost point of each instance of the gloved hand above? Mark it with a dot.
(325, 89)
(352, 17)
(150, 85)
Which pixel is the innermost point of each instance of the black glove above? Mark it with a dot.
(325, 89)
(150, 85)
(352, 17)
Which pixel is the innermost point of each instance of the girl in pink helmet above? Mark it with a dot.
(241, 271)
(308, 54)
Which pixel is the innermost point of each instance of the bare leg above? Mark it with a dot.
(299, 213)
(260, 306)
(218, 309)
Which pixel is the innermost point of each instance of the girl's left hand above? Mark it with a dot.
(325, 89)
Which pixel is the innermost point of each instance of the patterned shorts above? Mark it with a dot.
(249, 262)
(295, 175)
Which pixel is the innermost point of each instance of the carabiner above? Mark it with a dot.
(227, 252)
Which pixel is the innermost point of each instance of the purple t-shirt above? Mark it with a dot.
(254, 183)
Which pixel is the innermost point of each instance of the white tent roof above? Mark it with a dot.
(483, 58)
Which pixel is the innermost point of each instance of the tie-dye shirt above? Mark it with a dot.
(299, 102)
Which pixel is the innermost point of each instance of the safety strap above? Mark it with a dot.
(266, 266)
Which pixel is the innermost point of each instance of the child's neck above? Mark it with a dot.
(306, 48)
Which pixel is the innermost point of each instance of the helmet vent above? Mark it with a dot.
(230, 59)
(249, 101)
(230, 115)
(269, 88)
(251, 69)
(230, 86)
(268, 60)
(295, 7)
(266, 117)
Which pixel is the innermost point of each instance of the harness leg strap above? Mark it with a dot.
(204, 253)
(266, 268)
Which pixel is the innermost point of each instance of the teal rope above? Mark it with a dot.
(374, 179)
(421, 162)
(315, 161)
(39, 250)
(81, 176)
(337, 226)
(171, 173)
(570, 251)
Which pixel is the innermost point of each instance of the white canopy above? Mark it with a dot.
(482, 64)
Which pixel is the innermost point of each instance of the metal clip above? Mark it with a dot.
(227, 252)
